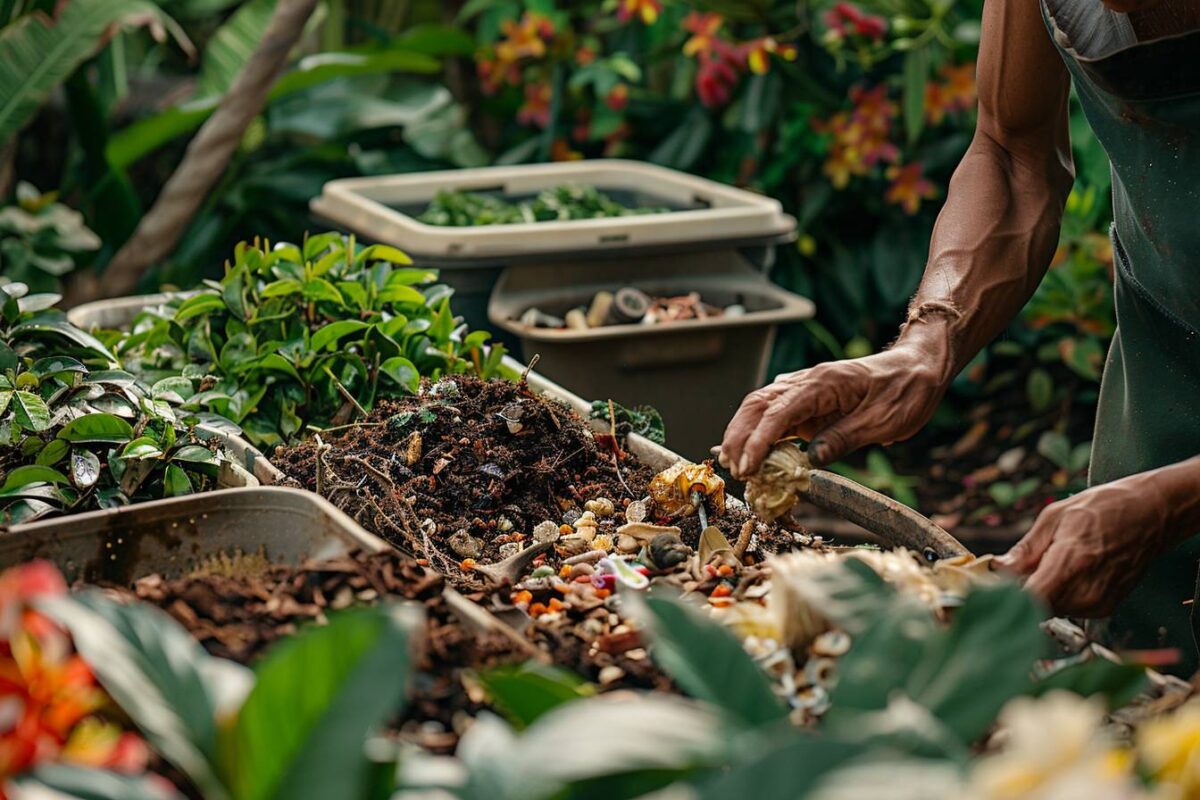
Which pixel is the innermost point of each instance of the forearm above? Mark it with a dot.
(991, 246)
(1177, 488)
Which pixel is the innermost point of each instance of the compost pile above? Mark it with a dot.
(471, 472)
(237, 607)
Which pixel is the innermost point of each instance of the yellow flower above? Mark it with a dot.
(1170, 748)
(1053, 749)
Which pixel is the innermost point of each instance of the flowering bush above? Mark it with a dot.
(51, 707)
(853, 114)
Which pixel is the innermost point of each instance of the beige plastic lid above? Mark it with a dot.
(385, 209)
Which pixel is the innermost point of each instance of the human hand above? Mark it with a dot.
(842, 405)
(1086, 553)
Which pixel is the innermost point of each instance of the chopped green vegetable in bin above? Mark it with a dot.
(467, 209)
(642, 420)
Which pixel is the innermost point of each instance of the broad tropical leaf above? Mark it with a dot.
(38, 53)
(158, 675)
(301, 733)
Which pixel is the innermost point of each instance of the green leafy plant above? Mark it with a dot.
(882, 477)
(293, 728)
(305, 336)
(41, 239)
(78, 434)
(466, 209)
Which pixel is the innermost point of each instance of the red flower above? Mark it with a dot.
(645, 10)
(704, 28)
(909, 187)
(618, 98)
(759, 52)
(536, 109)
(846, 19)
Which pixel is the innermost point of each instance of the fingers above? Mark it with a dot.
(835, 441)
(803, 401)
(1026, 555)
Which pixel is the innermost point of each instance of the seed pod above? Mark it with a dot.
(601, 507)
(546, 532)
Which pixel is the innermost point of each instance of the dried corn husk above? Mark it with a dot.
(772, 492)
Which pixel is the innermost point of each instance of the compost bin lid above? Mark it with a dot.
(703, 214)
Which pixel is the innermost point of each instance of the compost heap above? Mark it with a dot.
(469, 473)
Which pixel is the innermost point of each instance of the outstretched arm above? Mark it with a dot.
(990, 249)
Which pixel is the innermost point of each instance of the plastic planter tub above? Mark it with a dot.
(704, 215)
(253, 467)
(173, 537)
(695, 372)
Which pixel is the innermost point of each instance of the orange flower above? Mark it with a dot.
(645, 10)
(759, 52)
(861, 137)
(704, 28)
(618, 98)
(536, 109)
(526, 38)
(909, 187)
(561, 151)
(49, 697)
(956, 92)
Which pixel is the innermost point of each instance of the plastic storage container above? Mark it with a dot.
(172, 537)
(703, 215)
(695, 372)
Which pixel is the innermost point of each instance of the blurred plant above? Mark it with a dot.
(882, 477)
(54, 710)
(294, 727)
(305, 336)
(41, 239)
(77, 434)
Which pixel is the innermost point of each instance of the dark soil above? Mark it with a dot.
(240, 614)
(486, 457)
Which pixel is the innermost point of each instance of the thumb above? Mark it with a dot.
(1026, 554)
(835, 441)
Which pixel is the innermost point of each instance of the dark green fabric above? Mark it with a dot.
(1149, 413)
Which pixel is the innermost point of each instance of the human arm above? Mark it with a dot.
(990, 248)
(1085, 554)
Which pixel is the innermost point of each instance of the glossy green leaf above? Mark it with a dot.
(57, 365)
(199, 305)
(195, 454)
(403, 373)
(142, 447)
(282, 288)
(382, 252)
(54, 452)
(318, 289)
(706, 660)
(301, 732)
(331, 333)
(32, 473)
(176, 482)
(963, 675)
(97, 428)
(66, 331)
(400, 294)
(527, 691)
(29, 411)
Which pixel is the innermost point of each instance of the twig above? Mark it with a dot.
(378, 473)
(743, 542)
(344, 392)
(321, 448)
(206, 159)
(529, 367)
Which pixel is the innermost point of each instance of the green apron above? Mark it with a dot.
(1143, 102)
